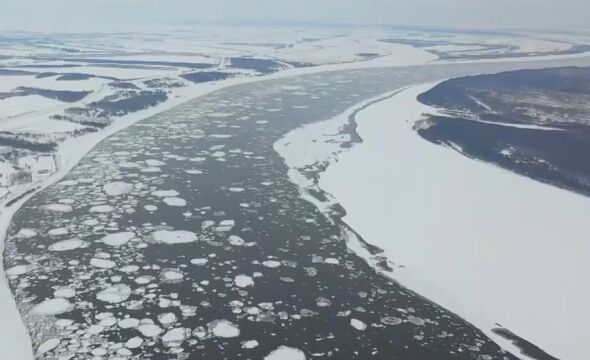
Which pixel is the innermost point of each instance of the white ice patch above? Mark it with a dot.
(174, 337)
(357, 324)
(223, 329)
(225, 225)
(243, 281)
(235, 240)
(66, 245)
(167, 318)
(128, 323)
(101, 208)
(58, 208)
(174, 237)
(118, 239)
(102, 263)
(171, 276)
(19, 270)
(249, 344)
(26, 233)
(199, 261)
(149, 330)
(53, 307)
(271, 264)
(117, 188)
(64, 292)
(165, 193)
(114, 294)
(47, 346)
(134, 343)
(174, 201)
(286, 353)
(154, 163)
(58, 231)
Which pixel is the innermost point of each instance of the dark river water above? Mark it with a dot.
(215, 255)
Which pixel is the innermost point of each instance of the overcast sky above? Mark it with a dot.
(82, 15)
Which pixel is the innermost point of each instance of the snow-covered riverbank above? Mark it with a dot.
(489, 245)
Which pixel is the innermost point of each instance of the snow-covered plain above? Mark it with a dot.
(489, 245)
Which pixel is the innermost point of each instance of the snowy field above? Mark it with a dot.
(464, 233)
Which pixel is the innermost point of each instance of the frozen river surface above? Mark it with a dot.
(184, 237)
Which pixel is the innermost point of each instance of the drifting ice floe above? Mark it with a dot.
(53, 307)
(117, 188)
(286, 353)
(114, 294)
(223, 329)
(69, 244)
(173, 237)
(243, 281)
(118, 239)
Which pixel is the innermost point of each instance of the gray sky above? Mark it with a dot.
(82, 15)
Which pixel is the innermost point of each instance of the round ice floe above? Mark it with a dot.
(285, 353)
(171, 276)
(149, 330)
(63, 323)
(165, 193)
(152, 162)
(128, 165)
(102, 263)
(271, 263)
(118, 239)
(114, 294)
(174, 337)
(243, 281)
(26, 233)
(193, 171)
(58, 207)
(101, 209)
(357, 324)
(225, 225)
(174, 201)
(150, 207)
(129, 269)
(128, 323)
(145, 279)
(151, 169)
(91, 222)
(235, 240)
(117, 188)
(416, 320)
(167, 318)
(66, 245)
(58, 231)
(391, 320)
(64, 292)
(332, 261)
(134, 343)
(223, 328)
(249, 344)
(199, 261)
(53, 307)
(19, 270)
(47, 346)
(173, 237)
